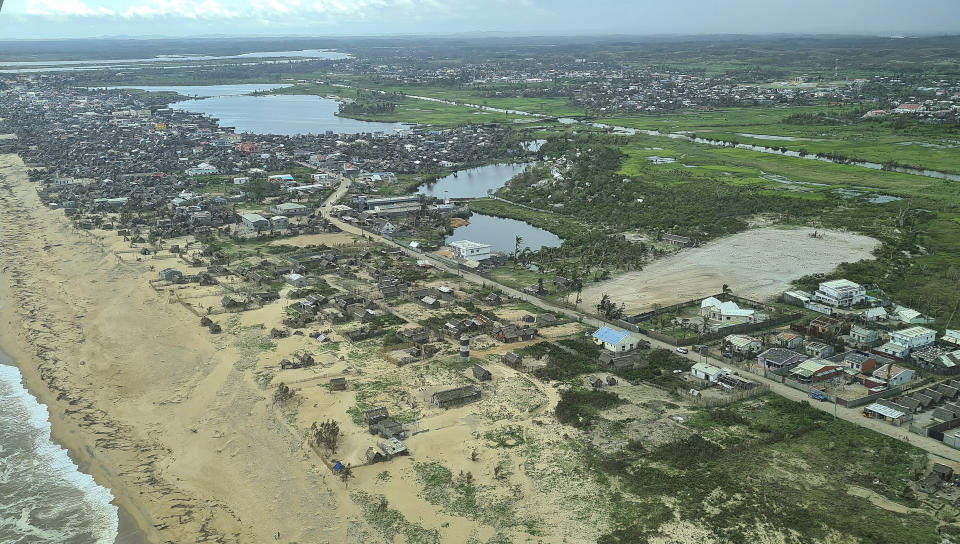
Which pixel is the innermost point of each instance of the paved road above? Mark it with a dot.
(935, 448)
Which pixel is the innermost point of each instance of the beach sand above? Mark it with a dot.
(139, 394)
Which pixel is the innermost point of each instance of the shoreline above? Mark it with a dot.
(128, 531)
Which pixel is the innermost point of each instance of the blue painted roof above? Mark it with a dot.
(610, 336)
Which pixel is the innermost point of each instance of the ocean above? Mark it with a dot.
(44, 497)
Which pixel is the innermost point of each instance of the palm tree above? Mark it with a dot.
(516, 249)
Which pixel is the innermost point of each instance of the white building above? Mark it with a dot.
(202, 169)
(951, 336)
(255, 221)
(706, 372)
(296, 280)
(473, 251)
(613, 340)
(290, 209)
(840, 293)
(914, 337)
(742, 343)
(728, 312)
(240, 181)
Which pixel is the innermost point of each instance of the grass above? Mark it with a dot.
(908, 142)
(759, 467)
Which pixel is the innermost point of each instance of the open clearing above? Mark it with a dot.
(756, 264)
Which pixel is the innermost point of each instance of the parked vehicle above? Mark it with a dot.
(728, 355)
(814, 394)
(682, 350)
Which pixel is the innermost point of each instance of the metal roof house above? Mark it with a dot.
(455, 397)
(613, 340)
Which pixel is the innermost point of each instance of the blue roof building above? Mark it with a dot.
(614, 340)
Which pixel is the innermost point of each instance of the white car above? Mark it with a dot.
(682, 350)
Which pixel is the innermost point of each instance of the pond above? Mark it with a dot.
(287, 115)
(473, 182)
(501, 233)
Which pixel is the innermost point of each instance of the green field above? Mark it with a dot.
(902, 140)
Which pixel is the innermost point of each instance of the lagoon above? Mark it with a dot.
(501, 233)
(473, 182)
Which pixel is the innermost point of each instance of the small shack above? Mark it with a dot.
(482, 374)
(338, 384)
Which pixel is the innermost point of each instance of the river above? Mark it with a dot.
(288, 115)
(719, 143)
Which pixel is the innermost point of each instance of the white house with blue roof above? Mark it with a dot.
(613, 340)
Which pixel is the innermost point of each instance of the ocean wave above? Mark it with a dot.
(46, 496)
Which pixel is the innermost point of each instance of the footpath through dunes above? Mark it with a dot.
(144, 398)
(757, 264)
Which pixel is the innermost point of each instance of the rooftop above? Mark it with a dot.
(913, 332)
(885, 411)
(467, 244)
(609, 335)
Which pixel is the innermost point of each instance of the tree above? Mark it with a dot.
(326, 434)
(516, 248)
(282, 394)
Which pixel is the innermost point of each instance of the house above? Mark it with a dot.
(338, 384)
(171, 275)
(676, 240)
(471, 251)
(797, 297)
(789, 340)
(885, 413)
(893, 375)
(511, 359)
(375, 415)
(742, 343)
(951, 336)
(202, 169)
(815, 370)
(290, 209)
(913, 337)
(296, 280)
(894, 350)
(280, 222)
(910, 316)
(840, 293)
(430, 302)
(878, 313)
(511, 333)
(859, 361)
(727, 312)
(778, 358)
(907, 107)
(255, 221)
(819, 349)
(613, 340)
(383, 227)
(863, 336)
(824, 326)
(482, 374)
(241, 181)
(455, 397)
(706, 372)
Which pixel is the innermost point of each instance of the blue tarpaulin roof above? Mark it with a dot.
(610, 336)
(338, 466)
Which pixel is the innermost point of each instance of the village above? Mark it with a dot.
(400, 357)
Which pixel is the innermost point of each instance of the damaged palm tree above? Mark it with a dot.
(326, 434)
(283, 394)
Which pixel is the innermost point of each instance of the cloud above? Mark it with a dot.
(65, 8)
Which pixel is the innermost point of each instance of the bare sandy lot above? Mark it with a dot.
(757, 264)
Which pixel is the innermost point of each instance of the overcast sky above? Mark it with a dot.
(93, 18)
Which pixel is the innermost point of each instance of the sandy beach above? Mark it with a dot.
(139, 394)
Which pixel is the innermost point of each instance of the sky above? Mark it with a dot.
(45, 19)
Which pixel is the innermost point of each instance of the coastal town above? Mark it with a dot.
(315, 294)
